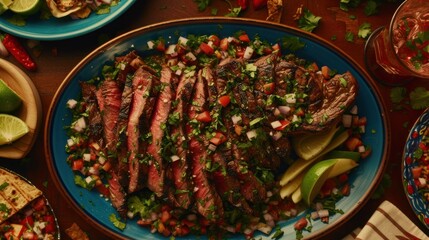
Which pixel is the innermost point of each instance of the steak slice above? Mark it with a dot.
(156, 170)
(337, 95)
(208, 202)
(143, 87)
(181, 195)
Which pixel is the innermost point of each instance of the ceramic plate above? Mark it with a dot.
(415, 197)
(29, 207)
(364, 179)
(62, 28)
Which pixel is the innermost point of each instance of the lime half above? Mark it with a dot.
(11, 128)
(4, 5)
(25, 7)
(9, 99)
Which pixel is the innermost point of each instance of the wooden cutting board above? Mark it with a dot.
(30, 111)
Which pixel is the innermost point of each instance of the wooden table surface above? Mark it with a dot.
(59, 57)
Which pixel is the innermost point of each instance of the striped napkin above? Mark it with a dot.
(388, 222)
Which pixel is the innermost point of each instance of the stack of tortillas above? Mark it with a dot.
(15, 194)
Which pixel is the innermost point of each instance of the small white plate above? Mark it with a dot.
(30, 111)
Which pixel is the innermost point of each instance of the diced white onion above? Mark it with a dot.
(190, 56)
(101, 160)
(251, 134)
(182, 41)
(95, 146)
(86, 157)
(277, 135)
(323, 213)
(314, 215)
(264, 228)
(150, 44)
(70, 142)
(93, 171)
(361, 148)
(71, 103)
(171, 49)
(236, 119)
(276, 124)
(347, 120)
(295, 118)
(248, 52)
(290, 98)
(284, 109)
(212, 147)
(79, 125)
(88, 179)
(175, 158)
(130, 214)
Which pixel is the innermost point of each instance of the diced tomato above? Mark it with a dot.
(410, 189)
(352, 143)
(188, 223)
(223, 45)
(299, 112)
(366, 153)
(144, 222)
(343, 178)
(327, 187)
(423, 146)
(218, 139)
(207, 49)
(102, 189)
(269, 88)
(239, 51)
(258, 4)
(50, 224)
(243, 4)
(244, 38)
(163, 230)
(160, 46)
(28, 221)
(314, 67)
(39, 205)
(204, 117)
(325, 72)
(165, 216)
(77, 165)
(107, 166)
(345, 190)
(300, 224)
(284, 123)
(224, 100)
(215, 40)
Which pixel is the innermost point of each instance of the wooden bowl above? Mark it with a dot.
(30, 111)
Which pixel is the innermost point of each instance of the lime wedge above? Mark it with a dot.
(4, 5)
(11, 128)
(25, 7)
(309, 146)
(316, 176)
(9, 99)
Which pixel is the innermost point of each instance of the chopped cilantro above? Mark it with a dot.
(292, 43)
(278, 233)
(419, 98)
(349, 36)
(202, 4)
(364, 30)
(233, 12)
(117, 222)
(308, 21)
(371, 8)
(397, 94)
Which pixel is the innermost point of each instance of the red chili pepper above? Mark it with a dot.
(243, 4)
(18, 51)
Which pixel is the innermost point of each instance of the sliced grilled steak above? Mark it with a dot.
(208, 202)
(125, 66)
(109, 104)
(180, 168)
(143, 87)
(338, 94)
(156, 171)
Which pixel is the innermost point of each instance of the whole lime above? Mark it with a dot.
(10, 101)
(25, 7)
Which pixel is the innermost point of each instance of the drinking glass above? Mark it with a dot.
(396, 54)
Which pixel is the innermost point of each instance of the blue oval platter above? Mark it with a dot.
(364, 179)
(62, 28)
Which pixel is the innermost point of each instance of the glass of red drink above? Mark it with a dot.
(396, 54)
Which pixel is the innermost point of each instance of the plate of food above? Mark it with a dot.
(20, 99)
(56, 20)
(217, 127)
(25, 211)
(414, 175)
